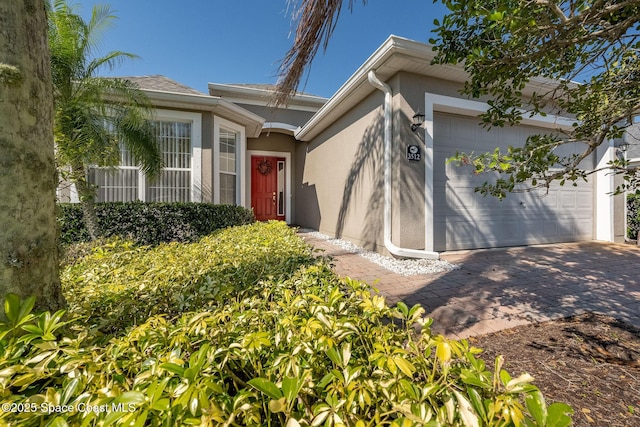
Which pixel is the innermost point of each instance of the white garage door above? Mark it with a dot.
(465, 219)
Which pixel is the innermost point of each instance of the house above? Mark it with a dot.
(353, 166)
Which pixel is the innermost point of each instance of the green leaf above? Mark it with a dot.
(472, 378)
(505, 377)
(141, 419)
(69, 390)
(291, 387)
(559, 415)
(405, 366)
(537, 407)
(266, 387)
(476, 402)
(161, 405)
(173, 368)
(18, 312)
(131, 397)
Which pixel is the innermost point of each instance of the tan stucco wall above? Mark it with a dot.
(341, 170)
(340, 177)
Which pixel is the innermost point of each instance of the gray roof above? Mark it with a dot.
(265, 86)
(162, 83)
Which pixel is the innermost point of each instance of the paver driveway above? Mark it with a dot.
(503, 288)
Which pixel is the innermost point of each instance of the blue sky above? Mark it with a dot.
(241, 41)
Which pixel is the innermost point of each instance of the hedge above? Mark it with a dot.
(151, 223)
(633, 215)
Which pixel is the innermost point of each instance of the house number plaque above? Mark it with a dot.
(413, 153)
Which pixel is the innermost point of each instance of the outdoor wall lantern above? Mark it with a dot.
(621, 148)
(624, 146)
(418, 120)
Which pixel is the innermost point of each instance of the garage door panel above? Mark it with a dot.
(465, 219)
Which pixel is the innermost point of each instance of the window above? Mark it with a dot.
(174, 182)
(179, 141)
(228, 167)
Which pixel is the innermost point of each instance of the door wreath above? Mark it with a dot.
(264, 167)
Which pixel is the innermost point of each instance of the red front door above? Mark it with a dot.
(267, 187)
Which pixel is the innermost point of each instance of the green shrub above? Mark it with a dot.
(283, 342)
(633, 215)
(307, 351)
(151, 223)
(121, 284)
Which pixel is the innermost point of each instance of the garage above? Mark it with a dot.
(464, 219)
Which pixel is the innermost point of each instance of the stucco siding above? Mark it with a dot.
(341, 177)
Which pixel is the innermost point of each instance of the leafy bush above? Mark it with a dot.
(299, 347)
(633, 215)
(152, 223)
(121, 284)
(307, 351)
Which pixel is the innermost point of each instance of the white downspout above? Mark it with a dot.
(388, 111)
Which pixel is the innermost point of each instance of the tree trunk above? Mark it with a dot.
(28, 226)
(87, 196)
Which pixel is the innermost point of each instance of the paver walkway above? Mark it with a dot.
(503, 288)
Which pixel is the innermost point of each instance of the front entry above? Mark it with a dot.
(267, 187)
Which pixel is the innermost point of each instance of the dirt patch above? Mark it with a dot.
(591, 362)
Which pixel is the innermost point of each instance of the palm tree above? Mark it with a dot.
(28, 248)
(94, 115)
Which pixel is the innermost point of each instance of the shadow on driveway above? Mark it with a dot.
(503, 288)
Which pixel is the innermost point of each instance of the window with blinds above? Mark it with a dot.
(228, 166)
(128, 183)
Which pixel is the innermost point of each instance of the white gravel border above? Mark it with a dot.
(404, 267)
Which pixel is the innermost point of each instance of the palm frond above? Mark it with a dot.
(95, 114)
(315, 22)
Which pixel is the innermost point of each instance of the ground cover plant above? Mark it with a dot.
(266, 335)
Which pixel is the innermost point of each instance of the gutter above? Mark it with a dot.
(388, 123)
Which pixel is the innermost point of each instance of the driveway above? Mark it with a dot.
(503, 288)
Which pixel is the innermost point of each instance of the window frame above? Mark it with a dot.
(222, 124)
(195, 120)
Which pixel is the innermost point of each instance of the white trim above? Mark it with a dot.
(216, 105)
(279, 127)
(219, 122)
(196, 146)
(288, 193)
(73, 194)
(603, 199)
